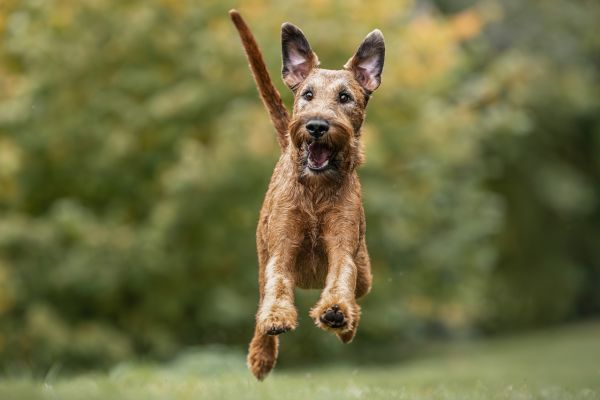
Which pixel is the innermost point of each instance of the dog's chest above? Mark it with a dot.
(311, 261)
(311, 264)
(313, 216)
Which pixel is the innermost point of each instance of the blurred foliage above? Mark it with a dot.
(134, 155)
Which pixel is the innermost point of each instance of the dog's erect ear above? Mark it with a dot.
(298, 58)
(367, 63)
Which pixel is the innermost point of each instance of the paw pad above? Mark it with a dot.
(333, 317)
(276, 330)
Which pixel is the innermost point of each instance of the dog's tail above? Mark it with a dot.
(262, 354)
(268, 93)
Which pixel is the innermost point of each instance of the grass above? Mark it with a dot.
(559, 364)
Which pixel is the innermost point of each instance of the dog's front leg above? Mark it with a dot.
(278, 245)
(337, 310)
(277, 313)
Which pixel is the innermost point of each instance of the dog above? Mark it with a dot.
(311, 231)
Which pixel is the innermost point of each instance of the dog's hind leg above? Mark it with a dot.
(262, 354)
(364, 277)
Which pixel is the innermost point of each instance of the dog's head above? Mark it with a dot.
(329, 105)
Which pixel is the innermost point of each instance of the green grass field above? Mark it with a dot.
(563, 363)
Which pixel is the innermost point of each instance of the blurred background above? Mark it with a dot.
(135, 153)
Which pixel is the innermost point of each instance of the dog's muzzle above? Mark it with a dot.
(317, 127)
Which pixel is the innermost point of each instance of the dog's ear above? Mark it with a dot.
(367, 63)
(298, 58)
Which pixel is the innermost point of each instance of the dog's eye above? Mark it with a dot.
(308, 95)
(344, 97)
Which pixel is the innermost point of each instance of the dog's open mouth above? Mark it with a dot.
(319, 156)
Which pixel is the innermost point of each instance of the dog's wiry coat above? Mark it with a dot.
(311, 232)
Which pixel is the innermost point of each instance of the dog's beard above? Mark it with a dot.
(329, 157)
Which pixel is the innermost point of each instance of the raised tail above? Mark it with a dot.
(268, 93)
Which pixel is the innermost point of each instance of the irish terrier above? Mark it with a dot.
(311, 232)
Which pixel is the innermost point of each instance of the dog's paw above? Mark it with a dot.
(346, 337)
(260, 366)
(276, 320)
(338, 316)
(333, 317)
(262, 355)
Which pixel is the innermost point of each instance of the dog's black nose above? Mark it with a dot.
(317, 127)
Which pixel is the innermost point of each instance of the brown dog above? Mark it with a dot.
(311, 232)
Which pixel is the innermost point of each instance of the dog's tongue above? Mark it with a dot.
(318, 154)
